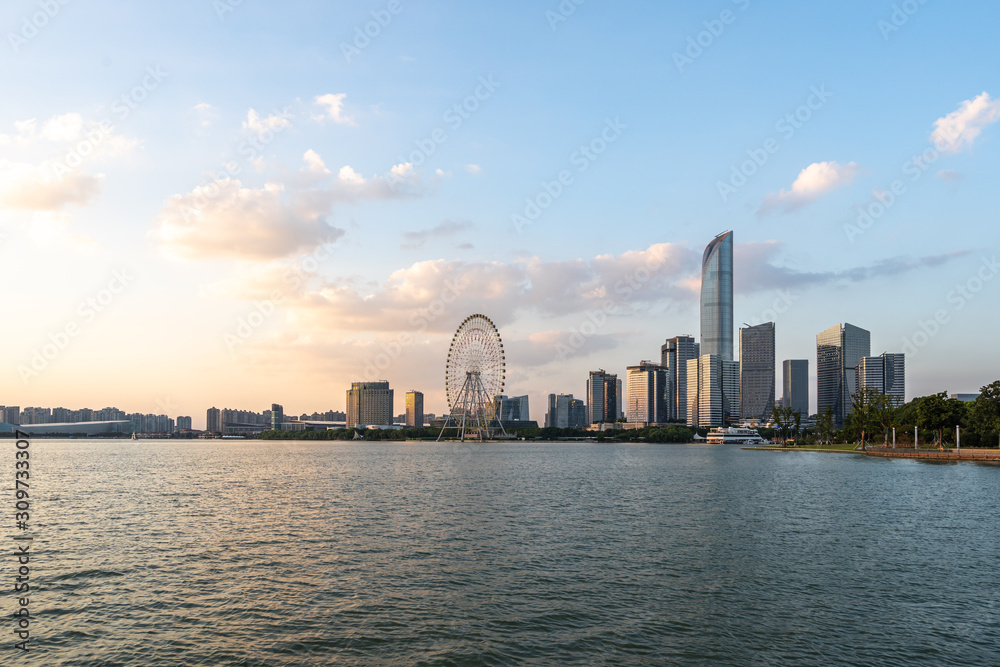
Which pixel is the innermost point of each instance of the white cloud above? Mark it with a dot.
(348, 175)
(41, 187)
(959, 129)
(417, 239)
(225, 219)
(334, 109)
(812, 183)
(255, 123)
(474, 169)
(315, 163)
(949, 176)
(206, 113)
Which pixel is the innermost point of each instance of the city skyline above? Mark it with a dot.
(132, 174)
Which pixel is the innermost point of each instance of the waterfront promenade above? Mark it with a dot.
(936, 454)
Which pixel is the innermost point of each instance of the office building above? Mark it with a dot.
(757, 372)
(713, 391)
(885, 374)
(674, 356)
(602, 397)
(369, 404)
(839, 349)
(647, 392)
(795, 385)
(277, 417)
(513, 409)
(965, 398)
(566, 412)
(620, 399)
(213, 420)
(717, 297)
(415, 409)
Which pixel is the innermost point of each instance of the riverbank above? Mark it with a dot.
(936, 454)
(835, 449)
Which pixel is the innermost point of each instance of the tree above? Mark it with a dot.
(985, 412)
(798, 423)
(777, 415)
(864, 408)
(824, 424)
(938, 412)
(884, 414)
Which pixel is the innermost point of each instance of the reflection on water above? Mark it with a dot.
(261, 553)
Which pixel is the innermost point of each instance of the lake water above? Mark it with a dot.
(262, 553)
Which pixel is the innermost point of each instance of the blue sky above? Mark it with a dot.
(332, 129)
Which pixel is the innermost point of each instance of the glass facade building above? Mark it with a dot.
(839, 350)
(795, 385)
(674, 355)
(757, 372)
(717, 297)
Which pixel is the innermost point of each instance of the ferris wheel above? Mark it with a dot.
(474, 376)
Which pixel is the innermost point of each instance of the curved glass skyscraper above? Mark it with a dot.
(717, 297)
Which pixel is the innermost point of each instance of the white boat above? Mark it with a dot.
(735, 436)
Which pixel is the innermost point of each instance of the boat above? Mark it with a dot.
(735, 436)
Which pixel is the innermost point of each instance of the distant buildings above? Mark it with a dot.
(415, 409)
(795, 385)
(713, 391)
(717, 298)
(674, 357)
(839, 349)
(369, 404)
(965, 398)
(647, 391)
(184, 423)
(277, 417)
(885, 374)
(213, 420)
(757, 372)
(513, 409)
(12, 415)
(602, 397)
(565, 412)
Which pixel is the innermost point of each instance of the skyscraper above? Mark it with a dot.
(757, 371)
(646, 401)
(213, 420)
(565, 412)
(415, 409)
(838, 351)
(602, 397)
(717, 297)
(512, 409)
(674, 356)
(713, 391)
(795, 385)
(277, 417)
(886, 374)
(369, 403)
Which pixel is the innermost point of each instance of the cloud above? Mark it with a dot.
(70, 145)
(227, 220)
(959, 129)
(334, 109)
(416, 240)
(206, 114)
(949, 176)
(474, 169)
(258, 125)
(756, 269)
(812, 183)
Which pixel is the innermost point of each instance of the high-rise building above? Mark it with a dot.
(602, 397)
(713, 391)
(838, 351)
(277, 417)
(213, 420)
(674, 356)
(717, 297)
(512, 409)
(795, 385)
(184, 423)
(620, 399)
(885, 374)
(565, 412)
(757, 372)
(647, 393)
(965, 398)
(369, 404)
(415, 409)
(12, 415)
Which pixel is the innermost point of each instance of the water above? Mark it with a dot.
(258, 553)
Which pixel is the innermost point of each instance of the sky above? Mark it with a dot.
(236, 203)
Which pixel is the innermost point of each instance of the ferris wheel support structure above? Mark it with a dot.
(474, 378)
